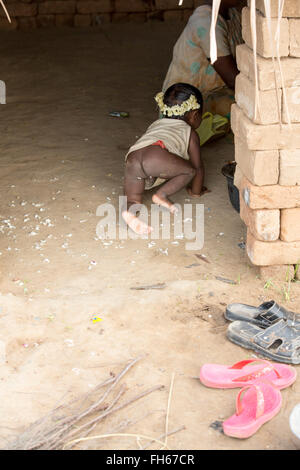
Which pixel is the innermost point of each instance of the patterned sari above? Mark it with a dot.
(191, 64)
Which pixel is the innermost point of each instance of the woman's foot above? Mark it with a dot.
(164, 202)
(139, 227)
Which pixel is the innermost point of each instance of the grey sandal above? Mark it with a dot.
(280, 342)
(264, 315)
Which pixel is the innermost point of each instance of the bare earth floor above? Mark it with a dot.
(61, 157)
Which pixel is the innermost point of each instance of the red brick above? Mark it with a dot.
(261, 167)
(291, 8)
(291, 108)
(294, 37)
(57, 7)
(20, 9)
(82, 20)
(267, 104)
(173, 4)
(238, 177)
(264, 44)
(127, 6)
(265, 69)
(64, 20)
(272, 253)
(290, 225)
(45, 20)
(269, 197)
(263, 224)
(94, 6)
(270, 137)
(289, 167)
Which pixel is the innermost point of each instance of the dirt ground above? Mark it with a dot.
(61, 157)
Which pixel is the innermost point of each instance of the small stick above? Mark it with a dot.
(164, 435)
(202, 257)
(154, 286)
(86, 395)
(168, 409)
(96, 405)
(95, 420)
(115, 381)
(104, 436)
(223, 279)
(69, 421)
(106, 413)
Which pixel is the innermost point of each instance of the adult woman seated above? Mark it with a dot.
(191, 55)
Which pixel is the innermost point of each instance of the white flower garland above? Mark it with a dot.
(176, 110)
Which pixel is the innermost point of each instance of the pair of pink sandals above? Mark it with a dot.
(259, 398)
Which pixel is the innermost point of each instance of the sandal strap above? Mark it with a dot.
(258, 373)
(260, 401)
(270, 312)
(287, 335)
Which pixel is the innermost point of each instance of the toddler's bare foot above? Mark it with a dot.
(139, 227)
(164, 202)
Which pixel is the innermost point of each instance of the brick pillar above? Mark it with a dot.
(267, 153)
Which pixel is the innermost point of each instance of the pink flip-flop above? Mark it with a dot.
(247, 372)
(260, 402)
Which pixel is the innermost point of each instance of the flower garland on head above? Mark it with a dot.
(177, 109)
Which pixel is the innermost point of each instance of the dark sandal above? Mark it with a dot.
(264, 315)
(280, 342)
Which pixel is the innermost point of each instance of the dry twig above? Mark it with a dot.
(71, 423)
